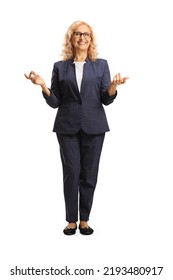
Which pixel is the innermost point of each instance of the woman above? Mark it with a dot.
(80, 85)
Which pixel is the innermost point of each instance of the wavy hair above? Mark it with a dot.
(68, 50)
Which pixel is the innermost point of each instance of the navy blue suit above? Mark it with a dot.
(80, 125)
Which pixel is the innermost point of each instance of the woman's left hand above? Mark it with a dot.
(119, 80)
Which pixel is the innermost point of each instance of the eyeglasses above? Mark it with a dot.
(86, 35)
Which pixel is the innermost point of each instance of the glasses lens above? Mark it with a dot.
(86, 34)
(77, 34)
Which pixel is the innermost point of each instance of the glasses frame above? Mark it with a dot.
(79, 34)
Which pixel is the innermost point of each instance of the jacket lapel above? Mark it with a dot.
(85, 78)
(73, 76)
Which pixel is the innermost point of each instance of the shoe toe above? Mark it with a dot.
(86, 230)
(69, 231)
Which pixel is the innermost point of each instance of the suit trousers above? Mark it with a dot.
(80, 156)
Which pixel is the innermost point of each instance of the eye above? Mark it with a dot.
(77, 34)
(87, 34)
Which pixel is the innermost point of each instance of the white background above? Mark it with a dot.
(132, 210)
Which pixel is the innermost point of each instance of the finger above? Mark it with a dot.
(27, 77)
(34, 79)
(32, 73)
(121, 80)
(125, 79)
(117, 78)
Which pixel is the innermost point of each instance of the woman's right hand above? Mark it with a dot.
(35, 78)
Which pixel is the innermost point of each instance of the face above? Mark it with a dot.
(81, 41)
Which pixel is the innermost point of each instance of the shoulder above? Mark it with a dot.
(97, 61)
(61, 64)
(101, 63)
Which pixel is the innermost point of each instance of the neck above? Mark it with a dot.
(80, 56)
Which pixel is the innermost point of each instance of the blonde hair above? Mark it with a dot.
(68, 50)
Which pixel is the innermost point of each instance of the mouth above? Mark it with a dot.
(81, 43)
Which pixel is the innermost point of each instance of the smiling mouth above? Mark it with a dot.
(81, 43)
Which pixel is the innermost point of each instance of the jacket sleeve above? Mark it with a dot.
(105, 82)
(54, 99)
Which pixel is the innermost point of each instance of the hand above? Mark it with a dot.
(35, 78)
(119, 80)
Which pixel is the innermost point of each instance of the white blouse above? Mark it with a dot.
(79, 72)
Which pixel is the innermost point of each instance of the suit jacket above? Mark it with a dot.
(80, 109)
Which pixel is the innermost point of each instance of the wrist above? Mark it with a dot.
(45, 89)
(112, 89)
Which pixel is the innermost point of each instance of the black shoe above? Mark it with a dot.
(86, 230)
(70, 231)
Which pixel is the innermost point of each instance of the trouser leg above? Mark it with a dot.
(91, 147)
(70, 156)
